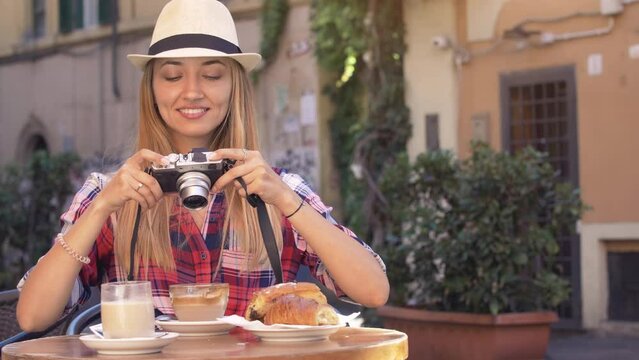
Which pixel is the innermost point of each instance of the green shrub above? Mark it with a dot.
(32, 197)
(478, 235)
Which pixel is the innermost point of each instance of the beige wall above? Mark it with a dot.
(14, 22)
(289, 93)
(607, 110)
(66, 95)
(481, 16)
(70, 95)
(606, 104)
(431, 79)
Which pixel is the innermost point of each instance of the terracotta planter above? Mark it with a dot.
(449, 335)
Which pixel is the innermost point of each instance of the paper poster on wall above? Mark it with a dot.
(308, 109)
(291, 124)
(302, 161)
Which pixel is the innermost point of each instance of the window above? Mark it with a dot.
(39, 18)
(90, 13)
(82, 14)
(432, 132)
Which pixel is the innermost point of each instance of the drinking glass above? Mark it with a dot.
(199, 302)
(127, 310)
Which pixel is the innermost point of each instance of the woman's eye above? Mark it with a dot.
(212, 77)
(172, 78)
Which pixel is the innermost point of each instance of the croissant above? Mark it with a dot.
(263, 299)
(295, 310)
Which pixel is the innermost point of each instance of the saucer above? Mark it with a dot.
(131, 346)
(195, 328)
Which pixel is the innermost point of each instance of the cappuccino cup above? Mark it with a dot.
(127, 310)
(199, 302)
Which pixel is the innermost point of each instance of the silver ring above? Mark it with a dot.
(245, 154)
(139, 187)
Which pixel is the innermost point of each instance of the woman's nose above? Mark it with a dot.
(192, 88)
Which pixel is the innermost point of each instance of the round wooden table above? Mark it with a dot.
(347, 343)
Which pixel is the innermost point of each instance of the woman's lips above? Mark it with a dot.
(193, 113)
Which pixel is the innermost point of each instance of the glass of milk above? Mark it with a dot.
(127, 310)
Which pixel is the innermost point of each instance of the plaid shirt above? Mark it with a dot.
(196, 256)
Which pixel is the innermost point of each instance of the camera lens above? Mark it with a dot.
(194, 202)
(193, 188)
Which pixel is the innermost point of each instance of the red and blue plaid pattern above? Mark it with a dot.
(196, 256)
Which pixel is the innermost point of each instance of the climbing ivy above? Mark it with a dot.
(340, 43)
(274, 14)
(361, 43)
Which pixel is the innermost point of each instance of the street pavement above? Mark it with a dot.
(592, 346)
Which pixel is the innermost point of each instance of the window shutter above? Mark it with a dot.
(66, 13)
(105, 11)
(78, 14)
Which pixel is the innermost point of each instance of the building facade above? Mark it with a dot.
(562, 76)
(66, 85)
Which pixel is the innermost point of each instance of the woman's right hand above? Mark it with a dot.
(130, 182)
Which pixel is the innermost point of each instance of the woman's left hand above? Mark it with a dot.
(258, 175)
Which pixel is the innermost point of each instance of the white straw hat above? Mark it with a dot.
(195, 28)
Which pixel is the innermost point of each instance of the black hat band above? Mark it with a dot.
(194, 41)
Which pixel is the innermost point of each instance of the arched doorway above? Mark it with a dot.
(37, 142)
(33, 138)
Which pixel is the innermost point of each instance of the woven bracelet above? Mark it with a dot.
(71, 251)
(296, 210)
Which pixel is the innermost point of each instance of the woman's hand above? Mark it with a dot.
(259, 177)
(130, 182)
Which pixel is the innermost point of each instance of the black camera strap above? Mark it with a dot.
(265, 227)
(134, 240)
(267, 232)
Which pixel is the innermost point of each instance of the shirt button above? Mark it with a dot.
(203, 255)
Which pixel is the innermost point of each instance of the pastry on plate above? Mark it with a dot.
(295, 310)
(288, 299)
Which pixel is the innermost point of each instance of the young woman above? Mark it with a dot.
(195, 93)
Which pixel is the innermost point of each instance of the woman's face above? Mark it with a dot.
(192, 96)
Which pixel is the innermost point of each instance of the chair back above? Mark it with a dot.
(85, 318)
(8, 322)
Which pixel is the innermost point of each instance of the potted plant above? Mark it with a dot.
(473, 271)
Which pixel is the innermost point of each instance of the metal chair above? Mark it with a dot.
(8, 324)
(84, 319)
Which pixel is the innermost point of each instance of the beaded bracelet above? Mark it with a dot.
(296, 210)
(71, 251)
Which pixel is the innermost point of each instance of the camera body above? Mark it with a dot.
(191, 175)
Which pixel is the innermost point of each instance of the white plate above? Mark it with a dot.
(132, 346)
(195, 328)
(296, 334)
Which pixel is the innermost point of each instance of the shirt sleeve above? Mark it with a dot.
(310, 258)
(81, 201)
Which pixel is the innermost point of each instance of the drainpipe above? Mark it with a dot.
(114, 49)
(101, 96)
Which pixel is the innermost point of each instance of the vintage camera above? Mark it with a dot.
(191, 175)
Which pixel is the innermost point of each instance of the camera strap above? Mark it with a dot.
(134, 240)
(265, 228)
(267, 232)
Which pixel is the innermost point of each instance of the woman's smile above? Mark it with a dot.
(193, 113)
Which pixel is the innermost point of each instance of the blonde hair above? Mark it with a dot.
(238, 130)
